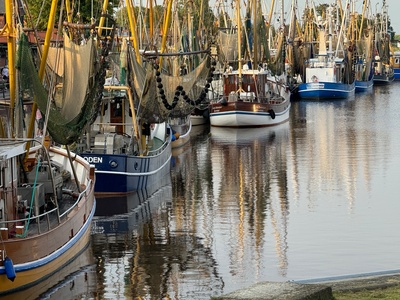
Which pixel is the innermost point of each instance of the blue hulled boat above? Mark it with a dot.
(328, 74)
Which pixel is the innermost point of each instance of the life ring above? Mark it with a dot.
(314, 78)
(272, 113)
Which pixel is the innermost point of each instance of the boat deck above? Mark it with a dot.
(48, 217)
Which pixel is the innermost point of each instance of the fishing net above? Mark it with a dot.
(78, 96)
(161, 96)
(228, 43)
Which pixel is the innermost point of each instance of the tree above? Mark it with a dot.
(38, 12)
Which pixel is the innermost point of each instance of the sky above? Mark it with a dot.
(394, 12)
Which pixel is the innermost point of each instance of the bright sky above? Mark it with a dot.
(394, 11)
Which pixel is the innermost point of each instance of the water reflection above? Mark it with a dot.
(250, 186)
(140, 255)
(312, 198)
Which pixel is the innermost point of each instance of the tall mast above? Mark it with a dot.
(11, 58)
(255, 34)
(239, 32)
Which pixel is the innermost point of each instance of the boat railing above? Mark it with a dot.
(158, 150)
(38, 222)
(80, 196)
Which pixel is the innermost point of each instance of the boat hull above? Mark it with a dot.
(325, 90)
(198, 120)
(200, 116)
(181, 127)
(120, 173)
(248, 114)
(396, 73)
(364, 86)
(384, 78)
(31, 274)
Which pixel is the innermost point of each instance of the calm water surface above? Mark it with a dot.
(313, 198)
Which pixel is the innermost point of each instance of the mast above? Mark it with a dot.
(132, 25)
(239, 32)
(255, 34)
(50, 27)
(11, 58)
(165, 28)
(362, 19)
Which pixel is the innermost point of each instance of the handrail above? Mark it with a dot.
(77, 201)
(47, 213)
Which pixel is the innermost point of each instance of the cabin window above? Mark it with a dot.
(397, 60)
(248, 80)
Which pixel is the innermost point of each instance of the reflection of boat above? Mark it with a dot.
(122, 204)
(246, 135)
(145, 249)
(130, 216)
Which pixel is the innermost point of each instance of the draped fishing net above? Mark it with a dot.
(143, 79)
(161, 96)
(365, 48)
(228, 44)
(81, 87)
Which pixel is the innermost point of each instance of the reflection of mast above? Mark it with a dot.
(242, 211)
(280, 237)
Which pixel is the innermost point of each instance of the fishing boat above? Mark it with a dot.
(129, 154)
(181, 128)
(329, 75)
(46, 212)
(201, 114)
(396, 65)
(129, 145)
(383, 62)
(47, 197)
(253, 95)
(130, 141)
(363, 50)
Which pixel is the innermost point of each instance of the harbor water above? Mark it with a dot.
(315, 197)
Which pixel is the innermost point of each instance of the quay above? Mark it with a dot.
(315, 289)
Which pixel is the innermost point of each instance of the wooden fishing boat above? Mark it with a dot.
(47, 197)
(46, 212)
(252, 96)
(265, 103)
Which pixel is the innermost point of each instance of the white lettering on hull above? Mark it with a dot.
(94, 159)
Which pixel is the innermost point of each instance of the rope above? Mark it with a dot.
(32, 199)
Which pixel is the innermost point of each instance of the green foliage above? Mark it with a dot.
(84, 11)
